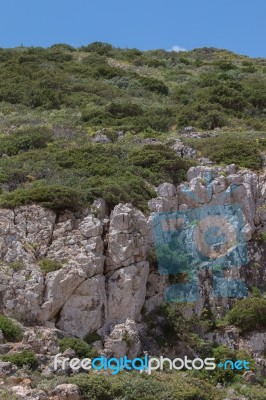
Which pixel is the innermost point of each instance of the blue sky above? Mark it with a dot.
(237, 25)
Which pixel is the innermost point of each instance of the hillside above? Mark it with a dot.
(97, 121)
(132, 223)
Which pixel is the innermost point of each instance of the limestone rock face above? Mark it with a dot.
(42, 340)
(59, 287)
(93, 286)
(226, 189)
(126, 242)
(123, 340)
(126, 290)
(85, 310)
(253, 342)
(106, 266)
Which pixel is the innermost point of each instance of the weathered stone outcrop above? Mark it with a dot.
(123, 340)
(242, 191)
(102, 279)
(108, 275)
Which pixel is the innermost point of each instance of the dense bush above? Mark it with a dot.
(81, 348)
(126, 109)
(159, 163)
(228, 149)
(47, 265)
(136, 386)
(226, 375)
(92, 337)
(11, 331)
(54, 197)
(248, 314)
(98, 47)
(24, 140)
(27, 358)
(154, 85)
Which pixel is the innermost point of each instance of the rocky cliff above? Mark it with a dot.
(104, 278)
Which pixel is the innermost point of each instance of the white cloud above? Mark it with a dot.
(177, 48)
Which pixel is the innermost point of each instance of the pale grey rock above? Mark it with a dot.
(219, 185)
(204, 161)
(126, 241)
(163, 204)
(85, 310)
(199, 172)
(231, 169)
(104, 271)
(7, 368)
(67, 392)
(42, 340)
(99, 208)
(155, 287)
(100, 137)
(188, 129)
(253, 342)
(247, 232)
(123, 340)
(183, 150)
(126, 289)
(235, 179)
(24, 392)
(60, 285)
(90, 227)
(166, 190)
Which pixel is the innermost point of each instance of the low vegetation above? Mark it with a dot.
(48, 265)
(54, 101)
(11, 330)
(20, 359)
(133, 386)
(248, 314)
(81, 348)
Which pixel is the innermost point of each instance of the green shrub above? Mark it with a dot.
(47, 265)
(213, 119)
(82, 349)
(154, 85)
(27, 358)
(11, 331)
(256, 292)
(159, 163)
(6, 395)
(92, 337)
(229, 149)
(225, 65)
(17, 265)
(262, 237)
(54, 197)
(24, 140)
(99, 47)
(254, 392)
(221, 354)
(94, 387)
(136, 386)
(248, 314)
(126, 109)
